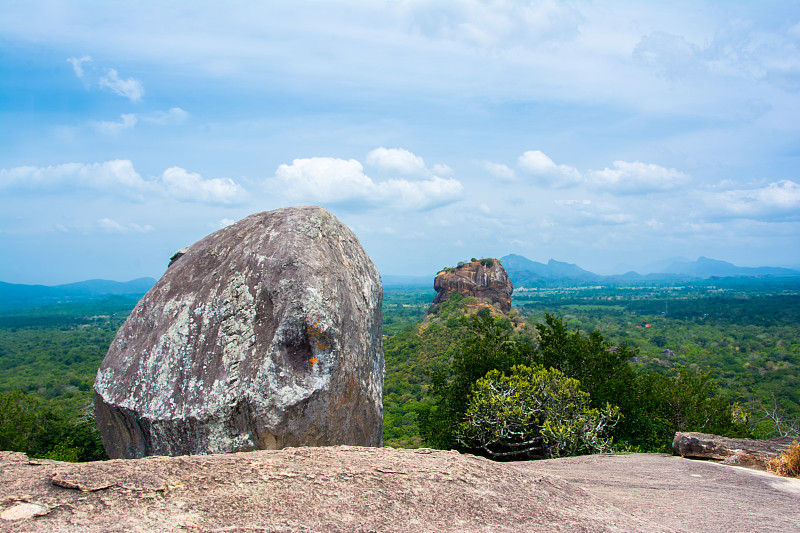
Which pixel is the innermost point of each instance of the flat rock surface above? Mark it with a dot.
(683, 494)
(358, 489)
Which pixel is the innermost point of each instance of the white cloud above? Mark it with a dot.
(330, 180)
(418, 195)
(127, 121)
(174, 115)
(77, 64)
(499, 171)
(396, 160)
(130, 88)
(637, 178)
(546, 171)
(623, 178)
(119, 178)
(112, 226)
(776, 201)
(189, 186)
(441, 170)
(325, 180)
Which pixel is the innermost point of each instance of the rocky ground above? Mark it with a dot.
(353, 489)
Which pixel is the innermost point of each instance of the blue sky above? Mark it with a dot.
(608, 134)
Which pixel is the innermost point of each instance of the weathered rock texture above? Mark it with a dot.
(487, 283)
(330, 490)
(262, 335)
(382, 490)
(733, 451)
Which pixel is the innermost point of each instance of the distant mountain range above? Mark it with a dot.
(522, 271)
(16, 295)
(526, 273)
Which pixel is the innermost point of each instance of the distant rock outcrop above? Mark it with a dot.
(733, 451)
(485, 279)
(262, 335)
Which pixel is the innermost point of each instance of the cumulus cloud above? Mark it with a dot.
(119, 178)
(441, 170)
(112, 226)
(130, 88)
(329, 180)
(325, 179)
(499, 171)
(637, 177)
(191, 187)
(776, 201)
(546, 172)
(126, 121)
(396, 160)
(622, 178)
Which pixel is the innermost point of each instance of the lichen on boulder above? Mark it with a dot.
(262, 335)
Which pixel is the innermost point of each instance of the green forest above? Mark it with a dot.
(736, 342)
(740, 336)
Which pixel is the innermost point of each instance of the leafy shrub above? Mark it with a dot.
(534, 412)
(787, 463)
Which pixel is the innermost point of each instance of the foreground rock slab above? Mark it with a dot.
(262, 335)
(681, 494)
(330, 490)
(380, 490)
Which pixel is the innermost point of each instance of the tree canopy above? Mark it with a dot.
(568, 393)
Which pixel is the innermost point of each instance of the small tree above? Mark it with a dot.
(489, 345)
(534, 412)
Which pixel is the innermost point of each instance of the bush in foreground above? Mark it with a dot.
(534, 413)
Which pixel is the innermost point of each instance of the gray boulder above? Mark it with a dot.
(731, 451)
(263, 335)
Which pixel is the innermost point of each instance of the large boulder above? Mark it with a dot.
(731, 451)
(263, 335)
(486, 280)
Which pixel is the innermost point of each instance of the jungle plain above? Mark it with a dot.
(740, 335)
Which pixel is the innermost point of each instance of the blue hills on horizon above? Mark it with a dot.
(522, 271)
(526, 273)
(14, 295)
